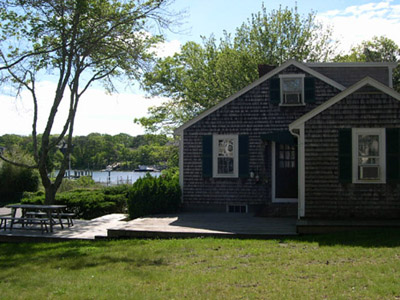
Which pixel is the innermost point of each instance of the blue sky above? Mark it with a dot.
(352, 21)
(206, 17)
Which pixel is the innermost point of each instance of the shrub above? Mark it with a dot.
(73, 184)
(86, 204)
(15, 180)
(154, 195)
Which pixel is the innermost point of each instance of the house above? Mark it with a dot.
(311, 140)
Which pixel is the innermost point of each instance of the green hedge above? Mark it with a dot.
(154, 195)
(87, 204)
(15, 180)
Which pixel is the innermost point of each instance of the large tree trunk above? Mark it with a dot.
(50, 194)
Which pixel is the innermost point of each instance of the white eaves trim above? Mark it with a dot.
(366, 81)
(270, 74)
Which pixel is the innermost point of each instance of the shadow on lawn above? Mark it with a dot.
(369, 238)
(69, 255)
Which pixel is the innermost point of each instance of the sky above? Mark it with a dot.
(352, 21)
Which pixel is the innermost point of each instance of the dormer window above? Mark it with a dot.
(292, 89)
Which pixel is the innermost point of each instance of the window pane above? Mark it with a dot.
(291, 85)
(368, 161)
(368, 145)
(225, 165)
(225, 148)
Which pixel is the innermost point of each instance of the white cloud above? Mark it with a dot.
(358, 23)
(97, 112)
(167, 48)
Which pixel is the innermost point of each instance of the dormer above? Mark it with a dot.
(292, 89)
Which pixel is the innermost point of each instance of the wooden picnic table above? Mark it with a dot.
(51, 210)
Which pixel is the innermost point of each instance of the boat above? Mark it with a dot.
(146, 169)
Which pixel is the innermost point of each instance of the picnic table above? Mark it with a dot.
(53, 213)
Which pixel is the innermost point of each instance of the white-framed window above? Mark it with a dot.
(225, 156)
(292, 89)
(369, 155)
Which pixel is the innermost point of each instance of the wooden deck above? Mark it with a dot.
(184, 225)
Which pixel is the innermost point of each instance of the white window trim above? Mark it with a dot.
(382, 151)
(235, 156)
(292, 76)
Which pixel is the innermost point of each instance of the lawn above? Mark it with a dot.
(364, 265)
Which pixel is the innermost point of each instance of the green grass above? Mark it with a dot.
(364, 265)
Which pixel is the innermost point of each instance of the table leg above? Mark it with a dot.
(50, 217)
(13, 213)
(59, 218)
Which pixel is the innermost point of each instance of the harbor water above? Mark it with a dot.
(116, 177)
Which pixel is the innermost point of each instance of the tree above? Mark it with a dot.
(202, 75)
(78, 43)
(378, 49)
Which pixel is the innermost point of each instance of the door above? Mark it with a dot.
(285, 171)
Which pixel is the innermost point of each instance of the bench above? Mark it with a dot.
(67, 216)
(43, 222)
(62, 215)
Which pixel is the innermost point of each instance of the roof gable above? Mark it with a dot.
(267, 76)
(362, 83)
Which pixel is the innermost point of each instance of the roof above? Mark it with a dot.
(364, 82)
(262, 79)
(352, 64)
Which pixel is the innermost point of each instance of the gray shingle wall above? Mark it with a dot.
(325, 196)
(251, 114)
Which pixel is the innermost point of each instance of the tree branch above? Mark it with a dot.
(18, 164)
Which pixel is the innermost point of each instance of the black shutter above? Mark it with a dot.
(275, 90)
(345, 156)
(309, 90)
(244, 156)
(207, 156)
(393, 154)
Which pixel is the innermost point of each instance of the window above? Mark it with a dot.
(287, 156)
(225, 156)
(369, 155)
(292, 89)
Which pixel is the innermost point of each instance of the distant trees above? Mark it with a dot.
(203, 74)
(378, 49)
(96, 151)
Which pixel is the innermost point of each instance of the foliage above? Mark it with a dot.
(87, 204)
(154, 195)
(379, 49)
(73, 184)
(16, 180)
(76, 43)
(202, 75)
(95, 151)
(363, 265)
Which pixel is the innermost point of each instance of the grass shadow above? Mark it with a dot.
(368, 238)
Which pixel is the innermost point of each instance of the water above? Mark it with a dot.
(118, 177)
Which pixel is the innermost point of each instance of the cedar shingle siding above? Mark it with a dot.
(325, 196)
(253, 115)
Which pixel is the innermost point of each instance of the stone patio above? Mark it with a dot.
(162, 226)
(204, 224)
